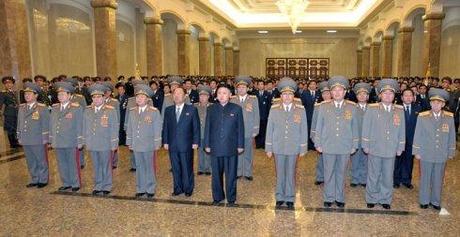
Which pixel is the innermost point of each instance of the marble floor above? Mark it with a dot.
(45, 212)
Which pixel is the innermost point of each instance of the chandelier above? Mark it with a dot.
(293, 10)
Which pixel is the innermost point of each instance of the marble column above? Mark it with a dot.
(14, 41)
(359, 62)
(154, 46)
(183, 52)
(229, 60)
(375, 59)
(204, 56)
(366, 61)
(404, 51)
(218, 56)
(105, 32)
(387, 52)
(432, 41)
(236, 62)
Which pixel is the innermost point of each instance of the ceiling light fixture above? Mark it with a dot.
(331, 31)
(294, 10)
(262, 32)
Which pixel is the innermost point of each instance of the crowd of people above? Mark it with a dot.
(379, 124)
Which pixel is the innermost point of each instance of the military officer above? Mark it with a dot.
(325, 97)
(359, 159)
(109, 100)
(224, 140)
(174, 82)
(33, 135)
(204, 160)
(143, 137)
(66, 137)
(336, 136)
(383, 138)
(287, 137)
(100, 134)
(251, 119)
(434, 144)
(9, 101)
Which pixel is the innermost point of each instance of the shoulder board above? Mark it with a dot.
(448, 114)
(76, 105)
(3, 91)
(78, 95)
(373, 105)
(55, 105)
(297, 99)
(423, 114)
(133, 108)
(399, 106)
(89, 106)
(233, 96)
(196, 104)
(350, 102)
(109, 107)
(318, 104)
(152, 108)
(252, 96)
(22, 105)
(41, 105)
(168, 94)
(112, 99)
(275, 106)
(276, 99)
(299, 106)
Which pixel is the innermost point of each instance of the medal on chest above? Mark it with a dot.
(35, 115)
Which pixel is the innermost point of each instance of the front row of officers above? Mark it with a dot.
(371, 135)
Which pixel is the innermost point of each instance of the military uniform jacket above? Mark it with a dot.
(144, 129)
(66, 127)
(336, 129)
(131, 104)
(314, 118)
(384, 133)
(202, 109)
(287, 132)
(115, 104)
(251, 114)
(77, 98)
(434, 140)
(360, 116)
(100, 130)
(9, 101)
(33, 124)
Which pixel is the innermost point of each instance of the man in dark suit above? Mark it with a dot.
(9, 102)
(181, 135)
(122, 98)
(309, 98)
(224, 140)
(264, 100)
(405, 162)
(158, 95)
(422, 98)
(189, 92)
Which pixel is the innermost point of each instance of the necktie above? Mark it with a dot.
(62, 107)
(312, 93)
(242, 100)
(177, 114)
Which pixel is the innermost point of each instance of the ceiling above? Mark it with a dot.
(264, 14)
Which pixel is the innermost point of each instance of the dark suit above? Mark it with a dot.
(123, 102)
(373, 96)
(405, 162)
(308, 101)
(158, 98)
(9, 101)
(423, 102)
(265, 102)
(180, 135)
(193, 96)
(224, 134)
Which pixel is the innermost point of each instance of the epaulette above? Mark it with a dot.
(196, 104)
(41, 105)
(448, 114)
(133, 108)
(78, 95)
(76, 105)
(109, 107)
(152, 108)
(168, 94)
(89, 106)
(320, 103)
(275, 106)
(297, 99)
(56, 104)
(252, 96)
(424, 114)
(350, 102)
(22, 105)
(233, 96)
(3, 91)
(399, 106)
(276, 99)
(299, 106)
(374, 105)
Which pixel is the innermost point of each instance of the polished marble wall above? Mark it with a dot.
(450, 52)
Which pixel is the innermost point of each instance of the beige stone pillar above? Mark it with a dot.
(375, 59)
(432, 41)
(366, 61)
(229, 60)
(404, 51)
(359, 62)
(204, 56)
(218, 67)
(14, 41)
(236, 62)
(154, 46)
(106, 37)
(387, 56)
(183, 52)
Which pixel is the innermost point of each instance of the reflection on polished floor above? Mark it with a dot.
(45, 212)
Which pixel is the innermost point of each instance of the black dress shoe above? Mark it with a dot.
(215, 203)
(279, 203)
(290, 205)
(95, 192)
(105, 193)
(386, 206)
(207, 173)
(82, 167)
(327, 204)
(76, 189)
(395, 185)
(64, 188)
(318, 182)
(238, 177)
(200, 173)
(340, 204)
(231, 204)
(435, 207)
(424, 206)
(409, 186)
(353, 185)
(188, 194)
(364, 185)
(370, 205)
(31, 185)
(150, 195)
(114, 167)
(132, 170)
(42, 185)
(250, 178)
(175, 194)
(138, 195)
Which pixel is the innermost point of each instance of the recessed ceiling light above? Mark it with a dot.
(262, 32)
(331, 31)
(298, 31)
